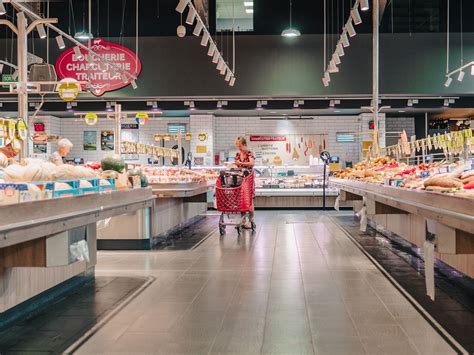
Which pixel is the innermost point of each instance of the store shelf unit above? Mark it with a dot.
(36, 239)
(405, 213)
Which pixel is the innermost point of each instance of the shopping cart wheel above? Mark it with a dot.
(221, 230)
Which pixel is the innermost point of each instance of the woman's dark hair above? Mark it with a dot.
(242, 140)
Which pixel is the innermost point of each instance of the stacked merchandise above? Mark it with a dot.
(173, 175)
(456, 178)
(35, 179)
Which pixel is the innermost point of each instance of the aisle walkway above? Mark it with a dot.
(297, 286)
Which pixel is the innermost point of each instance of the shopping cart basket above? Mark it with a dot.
(235, 190)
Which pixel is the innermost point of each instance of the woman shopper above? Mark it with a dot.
(244, 159)
(64, 147)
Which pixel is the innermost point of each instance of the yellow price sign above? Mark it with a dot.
(22, 130)
(68, 91)
(91, 119)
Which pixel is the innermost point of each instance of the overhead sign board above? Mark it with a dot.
(102, 77)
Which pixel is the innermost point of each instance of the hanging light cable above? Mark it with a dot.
(461, 73)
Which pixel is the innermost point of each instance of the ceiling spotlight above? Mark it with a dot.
(191, 16)
(350, 29)
(60, 42)
(232, 81)
(415, 101)
(124, 78)
(248, 3)
(448, 82)
(332, 68)
(212, 49)
(134, 84)
(356, 16)
(446, 102)
(220, 64)
(345, 39)
(340, 50)
(15, 75)
(325, 82)
(205, 39)
(223, 69)
(191, 105)
(215, 58)
(336, 59)
(364, 5)
(327, 76)
(154, 105)
(259, 105)
(78, 53)
(333, 103)
(83, 36)
(41, 31)
(182, 6)
(198, 29)
(219, 104)
(297, 103)
(1, 67)
(69, 106)
(410, 103)
(472, 70)
(228, 75)
(291, 32)
(181, 31)
(108, 106)
(461, 75)
(249, 11)
(3, 11)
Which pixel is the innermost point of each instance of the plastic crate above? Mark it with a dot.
(108, 188)
(89, 190)
(73, 191)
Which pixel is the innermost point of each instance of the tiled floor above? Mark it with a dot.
(297, 286)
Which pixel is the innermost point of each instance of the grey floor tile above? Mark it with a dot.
(288, 348)
(336, 344)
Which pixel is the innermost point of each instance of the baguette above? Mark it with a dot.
(443, 181)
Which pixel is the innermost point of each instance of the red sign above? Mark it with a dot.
(104, 77)
(267, 138)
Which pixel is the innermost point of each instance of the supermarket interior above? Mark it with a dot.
(237, 177)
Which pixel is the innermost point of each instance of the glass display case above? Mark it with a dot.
(291, 181)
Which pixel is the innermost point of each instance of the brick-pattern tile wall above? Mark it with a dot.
(226, 129)
(395, 125)
(73, 129)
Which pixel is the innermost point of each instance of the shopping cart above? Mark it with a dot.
(235, 190)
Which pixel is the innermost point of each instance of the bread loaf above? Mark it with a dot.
(443, 181)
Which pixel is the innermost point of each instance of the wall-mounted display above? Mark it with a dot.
(107, 140)
(90, 140)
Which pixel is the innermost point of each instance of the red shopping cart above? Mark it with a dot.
(235, 190)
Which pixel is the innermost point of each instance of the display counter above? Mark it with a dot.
(175, 205)
(407, 213)
(292, 187)
(45, 243)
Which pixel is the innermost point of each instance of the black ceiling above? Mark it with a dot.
(158, 17)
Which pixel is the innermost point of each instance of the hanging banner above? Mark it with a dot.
(103, 78)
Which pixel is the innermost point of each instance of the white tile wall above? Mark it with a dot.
(222, 131)
(226, 129)
(73, 129)
(203, 124)
(395, 125)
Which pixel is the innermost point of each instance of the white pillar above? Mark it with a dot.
(22, 50)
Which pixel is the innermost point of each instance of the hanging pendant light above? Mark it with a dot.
(364, 5)
(345, 39)
(291, 32)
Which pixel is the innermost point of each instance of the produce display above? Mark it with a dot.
(441, 176)
(163, 175)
